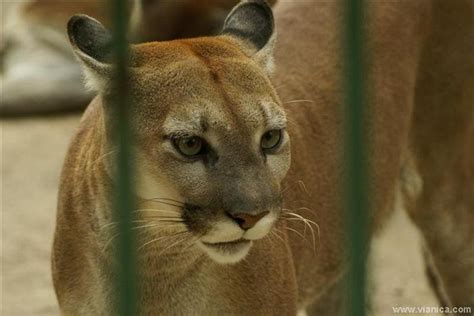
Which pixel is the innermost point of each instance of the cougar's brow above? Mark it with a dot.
(230, 107)
(273, 117)
(176, 127)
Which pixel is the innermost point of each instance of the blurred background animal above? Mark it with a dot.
(39, 72)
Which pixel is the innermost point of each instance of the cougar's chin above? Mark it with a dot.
(227, 252)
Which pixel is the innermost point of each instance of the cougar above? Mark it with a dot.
(237, 144)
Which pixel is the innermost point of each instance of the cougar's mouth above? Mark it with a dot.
(229, 246)
(228, 252)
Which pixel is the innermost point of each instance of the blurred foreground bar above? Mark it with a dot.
(356, 193)
(126, 257)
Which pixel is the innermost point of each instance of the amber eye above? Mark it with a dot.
(189, 146)
(271, 139)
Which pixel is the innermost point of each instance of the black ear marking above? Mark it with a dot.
(90, 37)
(252, 21)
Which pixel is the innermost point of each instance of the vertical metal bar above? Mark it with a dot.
(126, 296)
(355, 153)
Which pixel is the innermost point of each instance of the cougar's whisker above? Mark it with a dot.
(151, 220)
(161, 238)
(103, 156)
(284, 189)
(307, 223)
(303, 186)
(165, 203)
(298, 101)
(156, 210)
(298, 233)
(164, 221)
(163, 217)
(157, 225)
(280, 86)
(304, 209)
(307, 220)
(158, 216)
(107, 244)
(274, 233)
(192, 242)
(107, 225)
(186, 236)
(169, 199)
(109, 241)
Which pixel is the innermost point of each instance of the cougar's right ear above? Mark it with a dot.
(92, 43)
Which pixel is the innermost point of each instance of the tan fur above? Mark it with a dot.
(421, 124)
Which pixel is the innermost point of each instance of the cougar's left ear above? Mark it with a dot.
(252, 21)
(92, 43)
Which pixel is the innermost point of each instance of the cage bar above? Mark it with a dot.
(356, 191)
(126, 257)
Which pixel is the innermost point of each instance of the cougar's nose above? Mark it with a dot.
(247, 221)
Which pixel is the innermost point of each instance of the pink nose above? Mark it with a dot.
(247, 221)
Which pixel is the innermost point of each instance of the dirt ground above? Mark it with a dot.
(32, 153)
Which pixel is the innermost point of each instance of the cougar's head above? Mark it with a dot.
(209, 131)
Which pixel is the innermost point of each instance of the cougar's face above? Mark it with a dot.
(209, 130)
(214, 144)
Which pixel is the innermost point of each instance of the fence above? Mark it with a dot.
(355, 188)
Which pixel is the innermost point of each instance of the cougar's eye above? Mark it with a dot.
(190, 146)
(271, 139)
